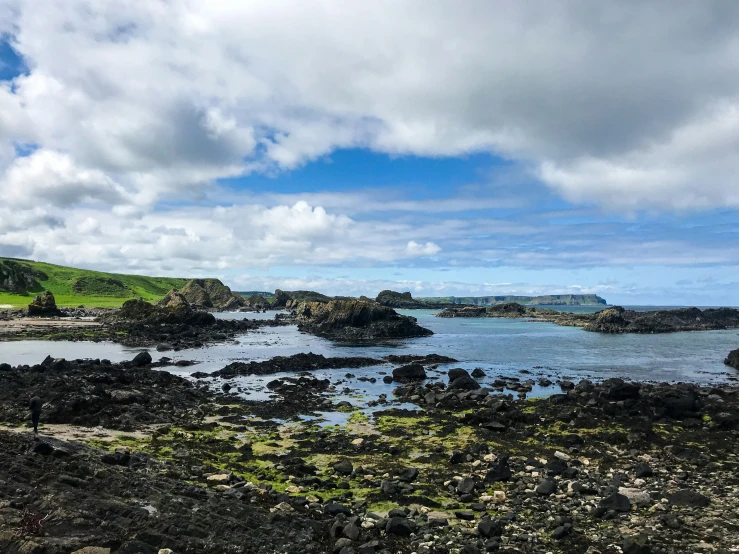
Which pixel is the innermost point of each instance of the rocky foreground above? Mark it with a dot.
(612, 467)
(612, 320)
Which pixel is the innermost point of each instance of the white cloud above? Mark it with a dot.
(428, 249)
(627, 104)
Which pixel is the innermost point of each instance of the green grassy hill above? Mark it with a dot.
(79, 287)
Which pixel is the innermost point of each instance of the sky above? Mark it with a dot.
(445, 148)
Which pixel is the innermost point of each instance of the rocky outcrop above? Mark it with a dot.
(732, 359)
(211, 294)
(467, 311)
(295, 363)
(257, 302)
(173, 308)
(19, 278)
(175, 302)
(356, 320)
(44, 305)
(290, 299)
(402, 300)
(614, 319)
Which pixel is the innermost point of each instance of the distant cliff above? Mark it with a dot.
(548, 300)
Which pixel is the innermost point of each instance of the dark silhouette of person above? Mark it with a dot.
(35, 405)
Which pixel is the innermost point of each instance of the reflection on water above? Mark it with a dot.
(501, 347)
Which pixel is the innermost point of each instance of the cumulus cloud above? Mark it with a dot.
(626, 104)
(428, 249)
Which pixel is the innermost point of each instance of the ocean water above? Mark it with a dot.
(501, 347)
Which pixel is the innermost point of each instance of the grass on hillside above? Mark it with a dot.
(81, 287)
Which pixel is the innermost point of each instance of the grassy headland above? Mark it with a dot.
(81, 287)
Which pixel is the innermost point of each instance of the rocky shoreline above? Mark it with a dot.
(612, 320)
(597, 467)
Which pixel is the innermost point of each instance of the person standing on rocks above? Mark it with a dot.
(35, 406)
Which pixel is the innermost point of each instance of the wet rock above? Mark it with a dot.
(621, 390)
(478, 373)
(732, 359)
(464, 383)
(409, 372)
(141, 359)
(456, 373)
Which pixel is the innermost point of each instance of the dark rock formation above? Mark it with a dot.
(44, 305)
(356, 320)
(402, 300)
(296, 363)
(173, 308)
(290, 299)
(732, 359)
(409, 372)
(614, 319)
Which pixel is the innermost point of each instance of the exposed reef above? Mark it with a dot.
(353, 320)
(613, 320)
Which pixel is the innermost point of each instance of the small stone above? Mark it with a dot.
(547, 487)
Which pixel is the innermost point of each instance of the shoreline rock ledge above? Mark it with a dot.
(356, 320)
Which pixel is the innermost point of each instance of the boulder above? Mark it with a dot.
(141, 359)
(457, 372)
(409, 372)
(464, 383)
(732, 360)
(44, 305)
